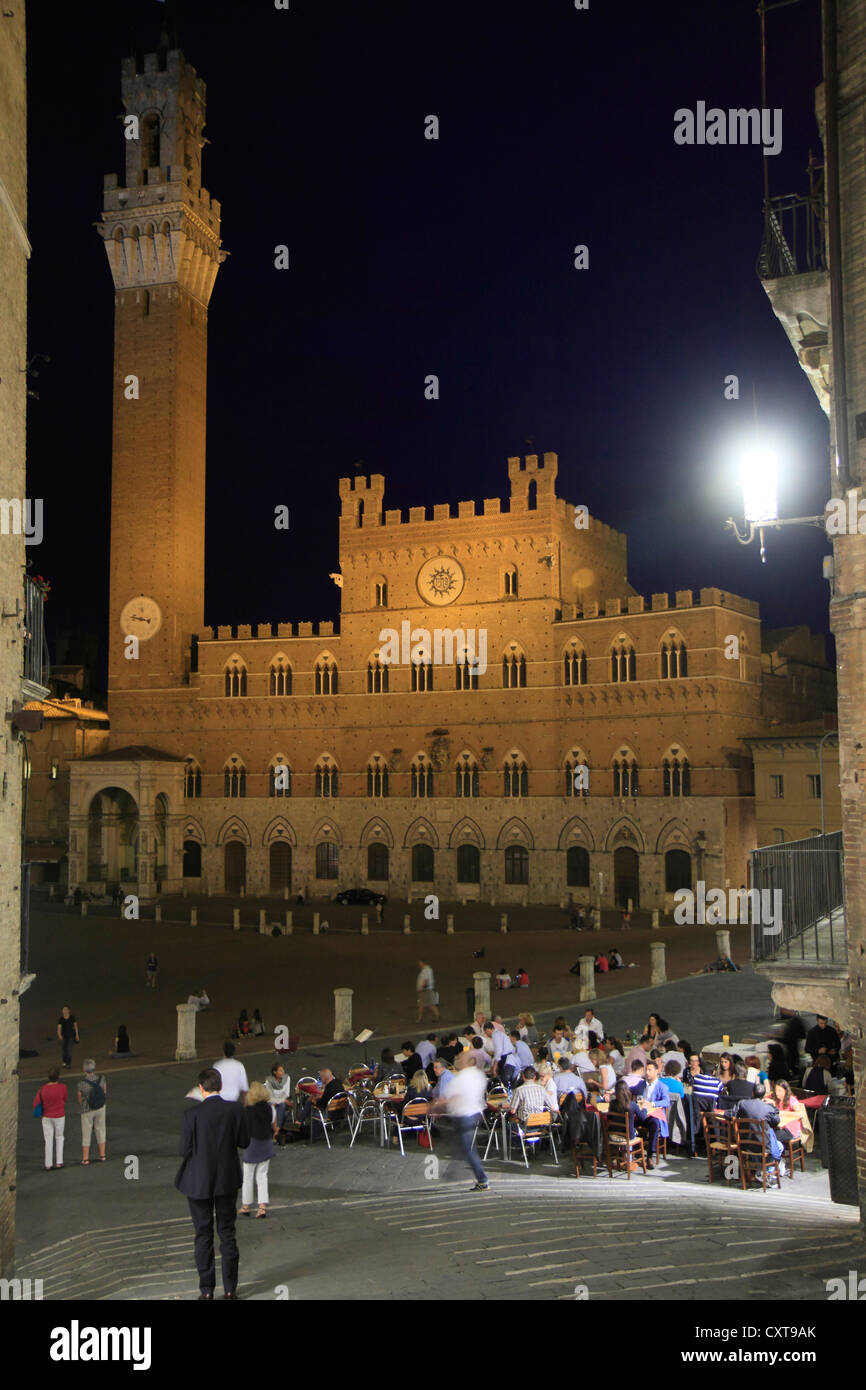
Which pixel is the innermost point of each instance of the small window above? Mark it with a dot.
(422, 864)
(777, 786)
(516, 864)
(326, 861)
(779, 836)
(815, 785)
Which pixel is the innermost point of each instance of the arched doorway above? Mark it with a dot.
(112, 837)
(377, 863)
(235, 866)
(577, 866)
(626, 876)
(280, 858)
(678, 870)
(191, 859)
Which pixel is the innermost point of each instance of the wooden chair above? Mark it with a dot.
(720, 1141)
(336, 1109)
(617, 1141)
(581, 1151)
(753, 1153)
(534, 1131)
(415, 1117)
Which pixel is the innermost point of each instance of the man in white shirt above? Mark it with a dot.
(581, 1061)
(568, 1080)
(588, 1024)
(426, 1050)
(559, 1045)
(464, 1103)
(425, 989)
(233, 1073)
(504, 1061)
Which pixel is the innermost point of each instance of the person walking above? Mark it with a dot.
(67, 1032)
(425, 990)
(464, 1102)
(151, 969)
(92, 1093)
(52, 1099)
(261, 1119)
(209, 1177)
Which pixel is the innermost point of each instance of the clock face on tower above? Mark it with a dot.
(440, 580)
(141, 618)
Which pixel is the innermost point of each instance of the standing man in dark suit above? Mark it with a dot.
(209, 1178)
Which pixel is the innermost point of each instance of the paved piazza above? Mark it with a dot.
(368, 1224)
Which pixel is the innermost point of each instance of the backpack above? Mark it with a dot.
(96, 1099)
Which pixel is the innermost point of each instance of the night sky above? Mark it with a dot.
(454, 257)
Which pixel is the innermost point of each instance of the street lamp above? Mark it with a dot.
(759, 480)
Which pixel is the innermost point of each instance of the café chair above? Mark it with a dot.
(753, 1154)
(534, 1131)
(581, 1151)
(619, 1146)
(795, 1153)
(363, 1110)
(414, 1117)
(336, 1109)
(719, 1140)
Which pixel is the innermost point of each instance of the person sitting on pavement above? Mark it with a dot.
(569, 1080)
(616, 960)
(387, 1068)
(503, 979)
(530, 1097)
(602, 964)
(419, 1087)
(521, 979)
(199, 1001)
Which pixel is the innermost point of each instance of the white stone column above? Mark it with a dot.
(407, 925)
(193, 916)
(658, 975)
(449, 924)
(157, 913)
(365, 924)
(185, 1033)
(263, 919)
(723, 942)
(503, 923)
(482, 991)
(655, 919)
(587, 978)
(236, 918)
(343, 1015)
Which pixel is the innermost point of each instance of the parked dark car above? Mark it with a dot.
(360, 897)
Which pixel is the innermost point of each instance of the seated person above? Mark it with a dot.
(636, 1077)
(793, 1117)
(242, 1027)
(412, 1060)
(777, 1069)
(762, 1109)
(569, 1080)
(672, 1075)
(603, 1078)
(623, 1103)
(740, 1087)
(823, 1037)
(258, 1024)
(331, 1087)
(522, 1051)
(199, 1000)
(503, 979)
(483, 1060)
(582, 1058)
(443, 1078)
(705, 1084)
(819, 1076)
(530, 1097)
(615, 1055)
(754, 1068)
(547, 1084)
(602, 964)
(278, 1087)
(527, 1029)
(558, 1045)
(521, 979)
(419, 1087)
(616, 960)
(122, 1046)
(448, 1048)
(656, 1095)
(387, 1067)
(426, 1049)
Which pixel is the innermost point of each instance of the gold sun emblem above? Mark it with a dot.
(440, 580)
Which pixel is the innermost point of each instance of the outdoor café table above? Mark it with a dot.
(742, 1049)
(386, 1096)
(498, 1105)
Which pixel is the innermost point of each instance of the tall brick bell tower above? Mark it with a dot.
(162, 237)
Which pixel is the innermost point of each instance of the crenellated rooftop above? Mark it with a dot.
(661, 603)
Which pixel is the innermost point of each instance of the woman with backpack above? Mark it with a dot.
(91, 1098)
(49, 1105)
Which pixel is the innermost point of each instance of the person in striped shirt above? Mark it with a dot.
(705, 1088)
(529, 1098)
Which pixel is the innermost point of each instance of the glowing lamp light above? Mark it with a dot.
(759, 481)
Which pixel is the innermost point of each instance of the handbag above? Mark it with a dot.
(37, 1107)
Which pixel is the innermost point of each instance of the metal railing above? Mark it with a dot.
(793, 241)
(36, 668)
(810, 875)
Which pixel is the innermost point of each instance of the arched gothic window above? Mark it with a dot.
(326, 676)
(377, 777)
(326, 778)
(235, 678)
(280, 677)
(674, 662)
(421, 776)
(191, 778)
(576, 774)
(377, 677)
(623, 662)
(516, 777)
(235, 776)
(467, 776)
(279, 778)
(676, 775)
(513, 671)
(510, 582)
(422, 675)
(574, 666)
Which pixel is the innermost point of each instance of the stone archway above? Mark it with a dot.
(112, 847)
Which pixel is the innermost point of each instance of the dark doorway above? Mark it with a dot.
(280, 866)
(235, 866)
(626, 876)
(191, 859)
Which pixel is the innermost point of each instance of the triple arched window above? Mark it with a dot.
(576, 774)
(673, 657)
(235, 778)
(467, 780)
(513, 671)
(623, 661)
(326, 778)
(377, 776)
(326, 676)
(279, 777)
(377, 677)
(625, 774)
(421, 776)
(280, 677)
(191, 778)
(516, 776)
(676, 774)
(422, 675)
(574, 665)
(235, 678)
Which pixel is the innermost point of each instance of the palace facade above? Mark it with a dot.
(597, 752)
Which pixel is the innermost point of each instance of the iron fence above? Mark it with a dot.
(810, 875)
(793, 241)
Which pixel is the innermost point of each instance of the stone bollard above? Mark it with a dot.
(492, 899)
(84, 909)
(655, 926)
(236, 918)
(587, 978)
(243, 890)
(407, 925)
(185, 1033)
(449, 925)
(723, 942)
(365, 924)
(193, 916)
(630, 907)
(315, 924)
(658, 975)
(343, 1015)
(562, 904)
(157, 913)
(289, 918)
(463, 902)
(503, 923)
(285, 893)
(482, 991)
(51, 892)
(526, 900)
(287, 930)
(263, 917)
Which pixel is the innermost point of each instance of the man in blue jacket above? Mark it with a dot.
(653, 1093)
